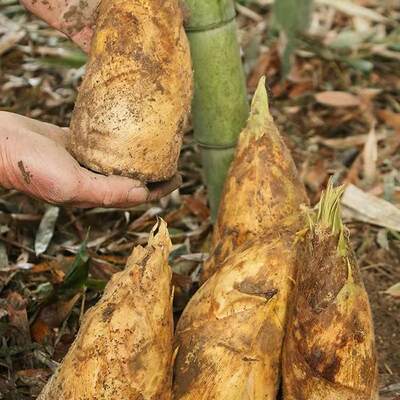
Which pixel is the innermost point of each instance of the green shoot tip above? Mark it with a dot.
(329, 214)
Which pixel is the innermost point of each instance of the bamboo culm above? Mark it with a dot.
(220, 106)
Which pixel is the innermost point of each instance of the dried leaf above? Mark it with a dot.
(390, 118)
(353, 9)
(350, 141)
(349, 39)
(33, 376)
(361, 206)
(52, 316)
(197, 207)
(9, 40)
(300, 89)
(262, 65)
(16, 309)
(382, 239)
(46, 229)
(337, 99)
(314, 176)
(247, 12)
(394, 291)
(370, 156)
(3, 256)
(61, 300)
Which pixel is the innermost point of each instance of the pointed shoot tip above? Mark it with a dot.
(260, 103)
(259, 107)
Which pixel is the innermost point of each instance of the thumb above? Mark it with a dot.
(116, 191)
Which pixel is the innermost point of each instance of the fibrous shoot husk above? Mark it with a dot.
(329, 350)
(124, 346)
(263, 191)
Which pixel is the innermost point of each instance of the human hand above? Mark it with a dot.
(34, 160)
(75, 18)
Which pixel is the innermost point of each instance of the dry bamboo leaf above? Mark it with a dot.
(46, 228)
(247, 12)
(370, 157)
(353, 9)
(345, 6)
(350, 141)
(9, 40)
(337, 99)
(394, 291)
(361, 206)
(390, 118)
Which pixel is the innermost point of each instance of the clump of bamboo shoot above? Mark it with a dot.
(229, 338)
(124, 347)
(135, 97)
(329, 349)
(263, 191)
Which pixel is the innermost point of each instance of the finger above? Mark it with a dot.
(119, 192)
(75, 18)
(83, 38)
(97, 190)
(51, 131)
(48, 11)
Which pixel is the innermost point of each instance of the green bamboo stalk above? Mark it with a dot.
(220, 107)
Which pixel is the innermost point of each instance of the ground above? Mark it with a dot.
(352, 134)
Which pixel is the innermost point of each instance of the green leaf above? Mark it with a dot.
(293, 17)
(179, 251)
(395, 46)
(78, 273)
(349, 39)
(68, 58)
(361, 65)
(96, 284)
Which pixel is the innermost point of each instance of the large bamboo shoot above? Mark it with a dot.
(329, 350)
(124, 347)
(135, 97)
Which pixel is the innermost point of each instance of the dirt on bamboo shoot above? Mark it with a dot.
(135, 97)
(263, 191)
(124, 347)
(329, 350)
(229, 338)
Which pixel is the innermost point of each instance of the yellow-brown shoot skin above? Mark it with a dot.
(124, 346)
(135, 98)
(329, 350)
(263, 191)
(229, 338)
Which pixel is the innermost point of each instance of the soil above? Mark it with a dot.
(381, 270)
